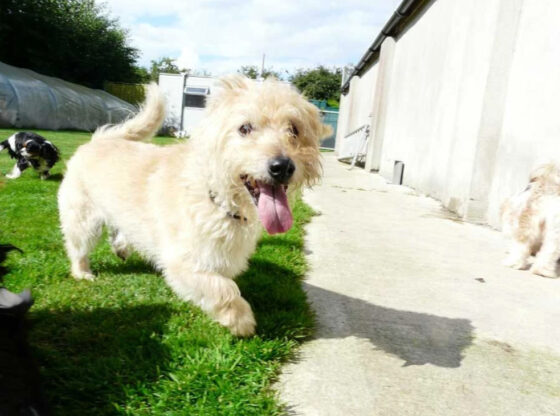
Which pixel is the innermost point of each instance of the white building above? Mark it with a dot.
(465, 94)
(185, 98)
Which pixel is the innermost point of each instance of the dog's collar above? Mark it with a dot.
(230, 214)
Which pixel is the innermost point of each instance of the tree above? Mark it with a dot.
(253, 72)
(71, 39)
(164, 65)
(320, 83)
(142, 74)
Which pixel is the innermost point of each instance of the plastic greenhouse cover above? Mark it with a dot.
(32, 100)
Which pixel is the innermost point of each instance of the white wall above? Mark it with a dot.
(171, 85)
(193, 115)
(471, 100)
(356, 107)
(531, 128)
(435, 98)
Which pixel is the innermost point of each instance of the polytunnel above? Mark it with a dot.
(32, 100)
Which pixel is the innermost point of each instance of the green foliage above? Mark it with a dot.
(71, 39)
(125, 344)
(164, 65)
(331, 102)
(142, 74)
(319, 83)
(132, 93)
(253, 72)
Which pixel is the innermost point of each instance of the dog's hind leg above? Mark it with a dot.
(119, 246)
(217, 295)
(548, 255)
(81, 227)
(44, 174)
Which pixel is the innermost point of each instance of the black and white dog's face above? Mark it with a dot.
(30, 149)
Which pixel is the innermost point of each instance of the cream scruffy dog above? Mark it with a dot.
(195, 209)
(532, 220)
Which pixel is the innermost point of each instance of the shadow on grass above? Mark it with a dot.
(91, 358)
(278, 242)
(277, 299)
(57, 177)
(129, 266)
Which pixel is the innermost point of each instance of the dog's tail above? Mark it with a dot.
(144, 125)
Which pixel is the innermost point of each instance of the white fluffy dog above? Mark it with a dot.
(193, 209)
(532, 220)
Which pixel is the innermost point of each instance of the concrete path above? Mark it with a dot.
(416, 315)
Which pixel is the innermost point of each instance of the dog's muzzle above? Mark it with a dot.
(281, 169)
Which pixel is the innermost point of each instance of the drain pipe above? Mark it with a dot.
(391, 28)
(183, 92)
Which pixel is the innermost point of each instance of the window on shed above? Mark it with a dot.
(196, 101)
(195, 97)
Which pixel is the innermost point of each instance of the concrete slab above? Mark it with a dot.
(415, 314)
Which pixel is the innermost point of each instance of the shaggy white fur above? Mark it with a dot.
(193, 209)
(531, 219)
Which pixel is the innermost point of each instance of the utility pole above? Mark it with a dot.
(262, 67)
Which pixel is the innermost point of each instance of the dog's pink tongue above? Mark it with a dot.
(273, 208)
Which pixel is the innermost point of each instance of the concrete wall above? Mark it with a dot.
(356, 106)
(469, 103)
(531, 127)
(435, 99)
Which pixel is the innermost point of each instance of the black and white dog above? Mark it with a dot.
(30, 149)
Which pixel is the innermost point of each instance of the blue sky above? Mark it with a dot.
(220, 35)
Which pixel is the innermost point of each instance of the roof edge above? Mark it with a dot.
(396, 24)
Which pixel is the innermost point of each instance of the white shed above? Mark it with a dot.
(186, 99)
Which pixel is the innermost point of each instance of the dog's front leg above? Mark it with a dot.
(217, 295)
(518, 255)
(16, 171)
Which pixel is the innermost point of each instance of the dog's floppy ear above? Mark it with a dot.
(33, 147)
(233, 82)
(228, 88)
(549, 172)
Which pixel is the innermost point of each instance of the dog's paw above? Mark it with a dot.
(515, 263)
(12, 176)
(84, 276)
(238, 317)
(543, 271)
(121, 253)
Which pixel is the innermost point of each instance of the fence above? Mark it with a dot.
(330, 118)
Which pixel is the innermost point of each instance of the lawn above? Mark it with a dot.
(125, 344)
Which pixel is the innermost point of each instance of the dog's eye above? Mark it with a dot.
(294, 130)
(245, 129)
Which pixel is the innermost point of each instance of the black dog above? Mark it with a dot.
(20, 387)
(30, 149)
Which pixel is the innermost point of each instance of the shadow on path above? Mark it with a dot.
(416, 338)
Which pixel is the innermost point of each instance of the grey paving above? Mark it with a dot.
(416, 315)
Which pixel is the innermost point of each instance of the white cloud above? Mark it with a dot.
(222, 35)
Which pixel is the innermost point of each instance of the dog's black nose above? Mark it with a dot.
(281, 169)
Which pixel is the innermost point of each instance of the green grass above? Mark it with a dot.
(125, 344)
